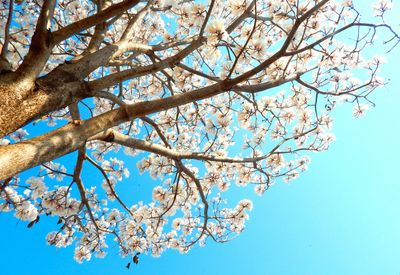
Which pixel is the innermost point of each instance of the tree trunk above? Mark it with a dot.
(22, 101)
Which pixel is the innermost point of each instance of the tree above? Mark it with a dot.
(201, 95)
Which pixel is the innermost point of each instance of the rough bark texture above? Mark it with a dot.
(22, 102)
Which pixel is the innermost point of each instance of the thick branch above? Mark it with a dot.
(167, 152)
(3, 55)
(93, 20)
(41, 44)
(115, 78)
(255, 88)
(30, 153)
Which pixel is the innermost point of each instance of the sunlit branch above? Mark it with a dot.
(93, 20)
(41, 45)
(3, 54)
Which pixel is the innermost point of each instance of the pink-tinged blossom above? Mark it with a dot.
(381, 6)
(360, 110)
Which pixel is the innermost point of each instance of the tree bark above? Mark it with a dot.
(22, 102)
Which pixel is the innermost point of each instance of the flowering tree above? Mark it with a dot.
(200, 94)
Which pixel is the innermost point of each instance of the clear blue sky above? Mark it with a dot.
(342, 216)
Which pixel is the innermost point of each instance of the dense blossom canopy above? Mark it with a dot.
(200, 95)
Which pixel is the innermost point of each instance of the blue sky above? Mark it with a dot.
(339, 217)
